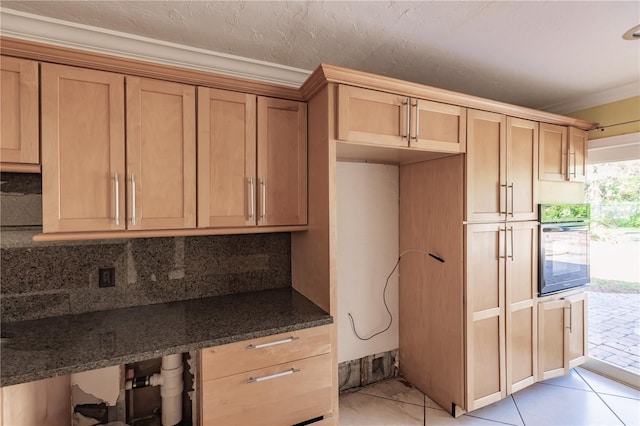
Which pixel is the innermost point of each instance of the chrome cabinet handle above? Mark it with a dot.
(570, 307)
(133, 199)
(511, 257)
(407, 106)
(263, 213)
(273, 376)
(417, 121)
(512, 194)
(574, 164)
(505, 212)
(500, 231)
(116, 181)
(277, 342)
(252, 199)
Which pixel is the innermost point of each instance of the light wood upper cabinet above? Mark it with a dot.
(486, 172)
(379, 118)
(86, 181)
(161, 154)
(252, 160)
(227, 181)
(502, 161)
(553, 152)
(19, 123)
(578, 141)
(562, 334)
(438, 127)
(522, 169)
(282, 162)
(83, 150)
(373, 117)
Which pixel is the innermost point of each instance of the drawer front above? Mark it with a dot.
(285, 394)
(248, 355)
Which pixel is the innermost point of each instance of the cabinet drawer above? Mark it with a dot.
(285, 394)
(239, 357)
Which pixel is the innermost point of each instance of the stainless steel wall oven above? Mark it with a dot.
(564, 247)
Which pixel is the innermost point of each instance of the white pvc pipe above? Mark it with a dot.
(171, 389)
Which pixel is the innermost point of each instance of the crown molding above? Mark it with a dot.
(595, 99)
(61, 33)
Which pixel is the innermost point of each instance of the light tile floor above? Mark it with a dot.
(580, 398)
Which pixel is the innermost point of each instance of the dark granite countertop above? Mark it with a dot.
(38, 349)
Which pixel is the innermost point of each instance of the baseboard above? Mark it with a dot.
(613, 372)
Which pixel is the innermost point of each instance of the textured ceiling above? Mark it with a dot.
(529, 53)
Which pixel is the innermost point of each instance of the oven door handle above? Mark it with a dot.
(559, 228)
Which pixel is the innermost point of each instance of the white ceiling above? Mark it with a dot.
(534, 54)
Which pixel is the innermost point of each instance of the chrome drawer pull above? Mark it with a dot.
(273, 376)
(277, 342)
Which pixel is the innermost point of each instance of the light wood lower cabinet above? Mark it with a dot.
(501, 283)
(562, 333)
(19, 117)
(252, 160)
(283, 379)
(284, 394)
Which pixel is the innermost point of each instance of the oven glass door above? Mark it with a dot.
(564, 257)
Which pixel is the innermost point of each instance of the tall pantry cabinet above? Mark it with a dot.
(501, 256)
(471, 338)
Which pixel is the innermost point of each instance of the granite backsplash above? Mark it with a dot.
(40, 280)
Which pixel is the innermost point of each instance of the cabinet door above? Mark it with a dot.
(282, 162)
(372, 117)
(522, 169)
(552, 152)
(161, 154)
(82, 149)
(19, 124)
(485, 314)
(552, 342)
(576, 324)
(438, 127)
(577, 155)
(522, 315)
(485, 167)
(226, 158)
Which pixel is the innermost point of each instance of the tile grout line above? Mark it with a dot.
(388, 399)
(518, 410)
(424, 410)
(490, 420)
(601, 399)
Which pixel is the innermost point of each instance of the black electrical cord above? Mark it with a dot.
(384, 295)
